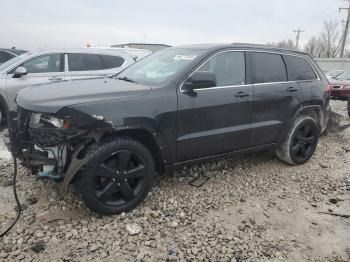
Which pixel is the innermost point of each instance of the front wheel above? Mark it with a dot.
(117, 177)
(300, 143)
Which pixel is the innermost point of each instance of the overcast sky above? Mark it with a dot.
(74, 23)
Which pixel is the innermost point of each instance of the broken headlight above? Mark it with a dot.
(45, 120)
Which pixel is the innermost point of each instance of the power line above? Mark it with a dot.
(298, 31)
(346, 30)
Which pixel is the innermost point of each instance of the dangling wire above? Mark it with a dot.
(19, 208)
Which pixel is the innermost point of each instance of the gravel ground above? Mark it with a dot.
(253, 208)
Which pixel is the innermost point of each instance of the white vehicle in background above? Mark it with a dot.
(33, 68)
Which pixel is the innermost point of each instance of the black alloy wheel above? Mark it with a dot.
(117, 177)
(120, 178)
(300, 142)
(304, 142)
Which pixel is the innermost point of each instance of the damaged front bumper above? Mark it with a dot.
(52, 145)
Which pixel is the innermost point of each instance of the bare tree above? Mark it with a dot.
(315, 47)
(289, 44)
(327, 44)
(330, 38)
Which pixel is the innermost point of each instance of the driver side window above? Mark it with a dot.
(228, 67)
(49, 63)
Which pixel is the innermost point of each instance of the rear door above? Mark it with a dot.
(83, 65)
(216, 120)
(275, 98)
(301, 70)
(41, 69)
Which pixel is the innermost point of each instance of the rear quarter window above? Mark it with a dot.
(84, 62)
(299, 69)
(110, 61)
(268, 68)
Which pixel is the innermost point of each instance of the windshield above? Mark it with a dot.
(13, 60)
(343, 76)
(159, 67)
(334, 73)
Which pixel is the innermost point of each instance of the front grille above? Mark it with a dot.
(49, 137)
(337, 87)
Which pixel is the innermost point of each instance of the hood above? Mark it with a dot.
(339, 82)
(54, 96)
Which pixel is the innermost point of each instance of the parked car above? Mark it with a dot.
(7, 54)
(54, 65)
(340, 85)
(333, 73)
(179, 106)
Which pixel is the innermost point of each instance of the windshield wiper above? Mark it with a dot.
(127, 79)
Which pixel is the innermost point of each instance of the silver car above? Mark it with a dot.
(53, 65)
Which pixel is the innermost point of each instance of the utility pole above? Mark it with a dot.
(299, 31)
(346, 30)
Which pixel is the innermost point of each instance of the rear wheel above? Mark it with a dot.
(2, 120)
(300, 142)
(117, 176)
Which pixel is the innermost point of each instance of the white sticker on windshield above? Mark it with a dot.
(184, 57)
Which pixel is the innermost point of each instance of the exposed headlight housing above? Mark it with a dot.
(45, 120)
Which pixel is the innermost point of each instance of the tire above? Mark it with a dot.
(117, 176)
(300, 143)
(2, 118)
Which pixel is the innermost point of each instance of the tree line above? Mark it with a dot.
(324, 45)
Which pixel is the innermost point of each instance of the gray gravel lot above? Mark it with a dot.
(253, 208)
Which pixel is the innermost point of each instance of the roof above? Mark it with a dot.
(215, 46)
(147, 44)
(88, 50)
(13, 51)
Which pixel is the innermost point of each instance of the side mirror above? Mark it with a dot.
(19, 72)
(200, 80)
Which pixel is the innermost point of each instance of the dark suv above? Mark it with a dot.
(176, 107)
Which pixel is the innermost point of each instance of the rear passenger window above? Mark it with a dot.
(110, 61)
(228, 67)
(84, 62)
(268, 68)
(299, 69)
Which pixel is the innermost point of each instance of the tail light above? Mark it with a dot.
(66, 124)
(328, 88)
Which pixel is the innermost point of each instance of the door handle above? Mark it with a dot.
(55, 78)
(241, 94)
(292, 89)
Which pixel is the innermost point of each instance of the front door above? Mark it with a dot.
(216, 120)
(41, 69)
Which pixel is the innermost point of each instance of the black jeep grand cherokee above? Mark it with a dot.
(176, 107)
